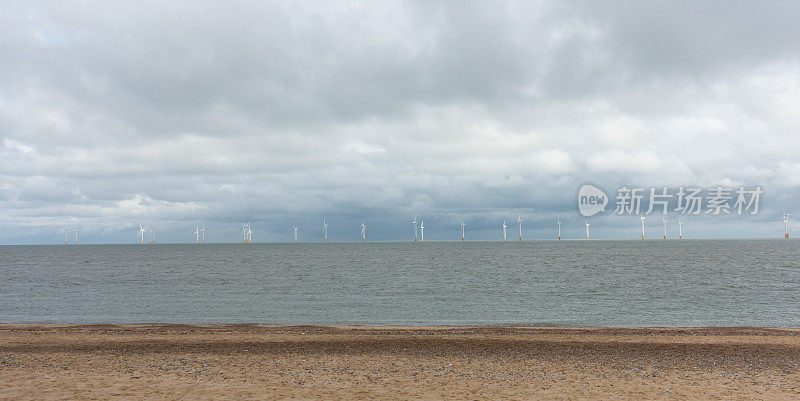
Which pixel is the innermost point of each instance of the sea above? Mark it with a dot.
(543, 283)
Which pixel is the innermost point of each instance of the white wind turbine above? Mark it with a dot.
(786, 224)
(664, 222)
(324, 231)
(462, 229)
(680, 229)
(295, 233)
(203, 232)
(504, 230)
(66, 235)
(141, 233)
(153, 234)
(422, 230)
(414, 222)
(519, 221)
(559, 227)
(76, 235)
(643, 219)
(363, 231)
(247, 233)
(587, 229)
(196, 235)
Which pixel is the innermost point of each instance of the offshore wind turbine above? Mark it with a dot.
(519, 221)
(66, 236)
(587, 229)
(203, 231)
(196, 235)
(680, 229)
(559, 227)
(414, 222)
(643, 219)
(141, 233)
(786, 224)
(295, 233)
(153, 235)
(505, 237)
(76, 235)
(422, 230)
(363, 231)
(249, 234)
(324, 231)
(664, 222)
(462, 229)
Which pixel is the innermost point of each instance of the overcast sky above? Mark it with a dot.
(179, 114)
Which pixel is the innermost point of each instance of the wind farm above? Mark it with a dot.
(148, 234)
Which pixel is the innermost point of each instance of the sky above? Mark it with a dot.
(179, 114)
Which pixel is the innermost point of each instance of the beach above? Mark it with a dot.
(394, 362)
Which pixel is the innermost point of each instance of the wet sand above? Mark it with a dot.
(342, 362)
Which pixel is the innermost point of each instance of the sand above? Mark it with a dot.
(321, 362)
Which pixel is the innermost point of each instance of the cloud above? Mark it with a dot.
(284, 112)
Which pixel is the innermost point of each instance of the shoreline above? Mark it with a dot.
(168, 361)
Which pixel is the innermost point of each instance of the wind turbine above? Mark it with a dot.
(786, 223)
(462, 229)
(414, 222)
(680, 229)
(247, 234)
(76, 235)
(295, 233)
(519, 221)
(203, 231)
(559, 227)
(422, 230)
(643, 219)
(664, 222)
(324, 231)
(66, 236)
(504, 230)
(141, 233)
(153, 235)
(587, 229)
(363, 231)
(196, 235)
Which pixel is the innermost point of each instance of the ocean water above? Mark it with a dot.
(597, 283)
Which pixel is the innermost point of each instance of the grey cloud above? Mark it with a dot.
(287, 112)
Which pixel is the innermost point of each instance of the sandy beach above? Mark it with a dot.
(342, 362)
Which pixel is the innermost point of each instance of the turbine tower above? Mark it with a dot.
(504, 230)
(519, 221)
(141, 233)
(295, 233)
(422, 230)
(203, 232)
(680, 229)
(363, 231)
(196, 235)
(414, 222)
(559, 227)
(643, 219)
(66, 236)
(249, 234)
(786, 224)
(462, 229)
(76, 235)
(324, 231)
(587, 229)
(153, 235)
(664, 222)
